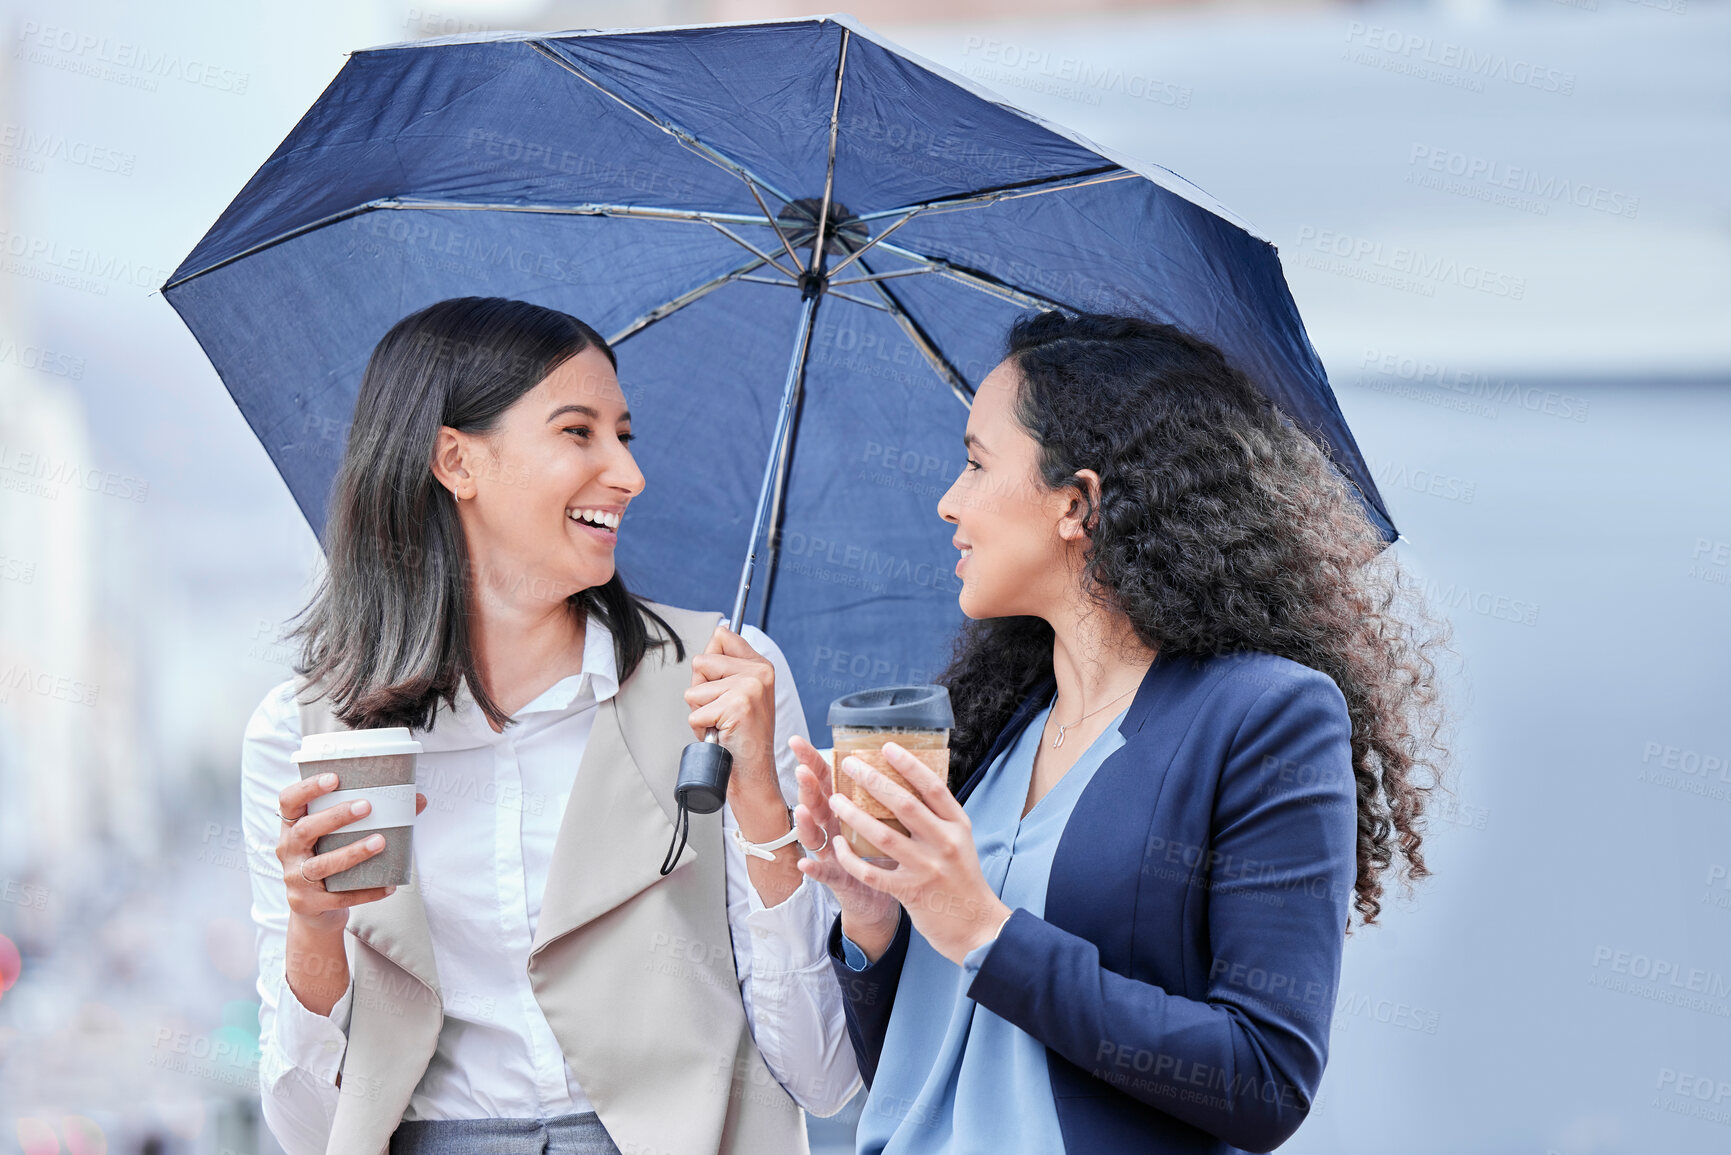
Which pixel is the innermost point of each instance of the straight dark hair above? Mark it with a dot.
(387, 632)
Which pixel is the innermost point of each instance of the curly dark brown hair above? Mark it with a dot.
(1221, 527)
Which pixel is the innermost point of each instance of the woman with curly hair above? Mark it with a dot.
(1192, 716)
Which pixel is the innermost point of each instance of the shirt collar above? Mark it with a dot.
(599, 676)
(598, 681)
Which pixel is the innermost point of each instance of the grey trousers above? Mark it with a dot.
(562, 1135)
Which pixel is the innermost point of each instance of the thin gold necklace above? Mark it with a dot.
(1062, 726)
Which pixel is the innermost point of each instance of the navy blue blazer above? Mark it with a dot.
(1184, 974)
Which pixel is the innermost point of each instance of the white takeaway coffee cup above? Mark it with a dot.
(379, 767)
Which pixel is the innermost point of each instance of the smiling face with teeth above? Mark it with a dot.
(542, 496)
(1020, 540)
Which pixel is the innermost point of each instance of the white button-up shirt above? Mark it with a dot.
(482, 850)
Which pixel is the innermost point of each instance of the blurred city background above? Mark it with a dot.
(1554, 439)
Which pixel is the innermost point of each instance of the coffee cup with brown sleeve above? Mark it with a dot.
(917, 718)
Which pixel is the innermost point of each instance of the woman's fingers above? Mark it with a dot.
(725, 710)
(886, 838)
(313, 827)
(318, 867)
(704, 693)
(303, 871)
(827, 871)
(819, 856)
(300, 829)
(908, 808)
(305, 878)
(733, 691)
(812, 817)
(863, 872)
(725, 641)
(814, 791)
(851, 894)
(931, 787)
(812, 834)
(725, 655)
(720, 674)
(713, 666)
(808, 756)
(292, 802)
(736, 695)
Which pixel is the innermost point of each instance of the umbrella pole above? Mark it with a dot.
(772, 545)
(775, 469)
(704, 767)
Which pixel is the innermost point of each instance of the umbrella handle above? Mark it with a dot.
(703, 772)
(704, 768)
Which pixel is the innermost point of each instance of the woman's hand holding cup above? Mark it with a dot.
(304, 871)
(868, 917)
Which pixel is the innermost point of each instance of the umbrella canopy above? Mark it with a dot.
(666, 186)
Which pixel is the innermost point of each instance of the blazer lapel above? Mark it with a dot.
(397, 928)
(1026, 709)
(1160, 671)
(612, 838)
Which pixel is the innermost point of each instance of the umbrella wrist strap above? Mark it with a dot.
(681, 829)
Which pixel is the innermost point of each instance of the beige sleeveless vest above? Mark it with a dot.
(657, 1036)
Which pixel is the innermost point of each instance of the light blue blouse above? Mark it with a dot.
(953, 1076)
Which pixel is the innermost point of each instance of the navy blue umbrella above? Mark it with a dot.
(806, 246)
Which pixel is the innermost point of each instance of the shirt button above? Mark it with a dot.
(330, 1047)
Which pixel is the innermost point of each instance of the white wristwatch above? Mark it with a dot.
(766, 850)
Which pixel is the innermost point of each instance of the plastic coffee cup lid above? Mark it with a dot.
(356, 744)
(910, 707)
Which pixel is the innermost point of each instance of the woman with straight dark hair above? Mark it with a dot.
(1190, 721)
(540, 984)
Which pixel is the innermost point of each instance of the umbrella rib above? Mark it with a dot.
(1104, 174)
(979, 197)
(712, 155)
(922, 341)
(858, 300)
(983, 281)
(829, 166)
(642, 212)
(667, 308)
(646, 212)
(741, 241)
(776, 225)
(867, 247)
(302, 230)
(891, 275)
(591, 209)
(829, 292)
